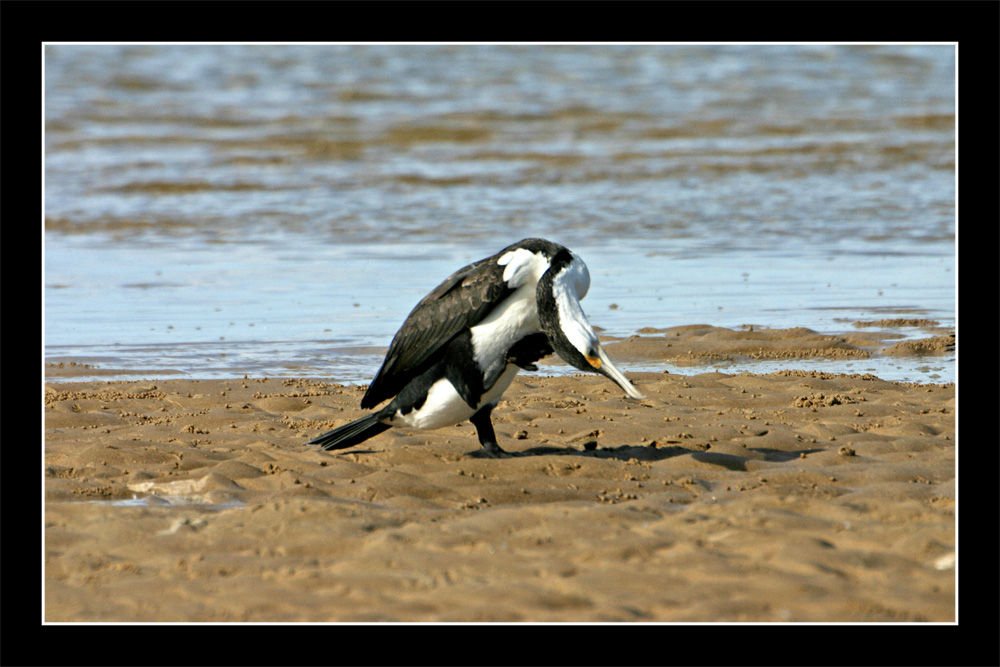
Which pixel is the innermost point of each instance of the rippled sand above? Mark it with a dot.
(795, 496)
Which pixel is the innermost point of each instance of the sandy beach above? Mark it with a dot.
(791, 496)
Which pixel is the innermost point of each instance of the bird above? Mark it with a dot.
(462, 345)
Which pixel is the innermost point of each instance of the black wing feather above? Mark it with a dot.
(464, 298)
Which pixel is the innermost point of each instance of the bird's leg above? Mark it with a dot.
(487, 437)
(525, 352)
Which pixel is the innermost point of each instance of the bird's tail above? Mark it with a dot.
(351, 434)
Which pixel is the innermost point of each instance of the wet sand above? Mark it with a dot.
(792, 496)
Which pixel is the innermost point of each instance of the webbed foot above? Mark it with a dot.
(492, 450)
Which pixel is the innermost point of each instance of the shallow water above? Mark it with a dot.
(214, 211)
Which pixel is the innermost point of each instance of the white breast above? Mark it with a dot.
(517, 316)
(509, 322)
(445, 407)
(571, 285)
(442, 407)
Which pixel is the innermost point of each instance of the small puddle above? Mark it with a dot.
(150, 500)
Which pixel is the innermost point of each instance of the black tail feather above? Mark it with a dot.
(351, 434)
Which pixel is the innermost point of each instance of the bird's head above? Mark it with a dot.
(572, 337)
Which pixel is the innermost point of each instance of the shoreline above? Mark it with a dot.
(698, 348)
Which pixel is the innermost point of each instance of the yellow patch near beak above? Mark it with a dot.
(593, 361)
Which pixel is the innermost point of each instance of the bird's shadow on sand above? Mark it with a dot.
(643, 453)
(589, 450)
(658, 453)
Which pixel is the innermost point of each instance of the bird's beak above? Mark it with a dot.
(603, 365)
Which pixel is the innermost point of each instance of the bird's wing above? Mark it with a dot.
(463, 299)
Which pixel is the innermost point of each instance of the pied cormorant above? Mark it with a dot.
(460, 348)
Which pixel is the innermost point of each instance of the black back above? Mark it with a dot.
(465, 298)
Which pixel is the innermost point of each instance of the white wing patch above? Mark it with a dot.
(522, 267)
